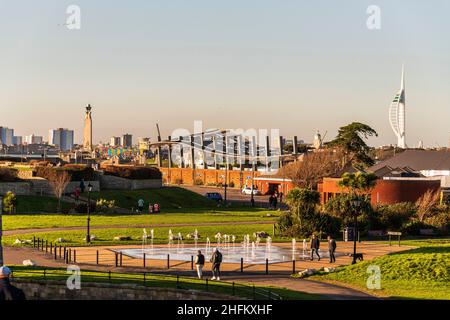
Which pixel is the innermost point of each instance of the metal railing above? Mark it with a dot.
(147, 279)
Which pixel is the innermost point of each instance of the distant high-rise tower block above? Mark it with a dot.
(397, 114)
(87, 134)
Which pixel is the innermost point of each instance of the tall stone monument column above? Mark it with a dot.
(87, 133)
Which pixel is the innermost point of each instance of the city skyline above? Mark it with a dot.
(161, 64)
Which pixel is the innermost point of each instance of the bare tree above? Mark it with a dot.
(426, 203)
(307, 172)
(59, 181)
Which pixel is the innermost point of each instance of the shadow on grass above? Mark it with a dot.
(425, 250)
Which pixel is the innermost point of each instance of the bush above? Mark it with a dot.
(198, 182)
(440, 220)
(412, 228)
(8, 175)
(9, 202)
(231, 184)
(105, 206)
(395, 216)
(77, 172)
(82, 207)
(134, 173)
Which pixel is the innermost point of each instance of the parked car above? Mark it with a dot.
(248, 191)
(214, 196)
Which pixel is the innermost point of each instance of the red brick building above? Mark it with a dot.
(269, 184)
(386, 191)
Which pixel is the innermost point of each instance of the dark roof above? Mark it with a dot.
(416, 160)
(397, 172)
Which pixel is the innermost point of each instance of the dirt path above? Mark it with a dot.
(159, 225)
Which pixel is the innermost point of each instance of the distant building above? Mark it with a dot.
(61, 138)
(317, 143)
(404, 177)
(6, 136)
(114, 142)
(144, 145)
(87, 133)
(32, 139)
(127, 140)
(397, 113)
(17, 140)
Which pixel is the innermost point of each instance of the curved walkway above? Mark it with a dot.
(156, 225)
(326, 290)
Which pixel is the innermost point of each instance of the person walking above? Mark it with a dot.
(275, 202)
(314, 245)
(77, 194)
(331, 248)
(216, 260)
(7, 290)
(199, 263)
(140, 205)
(271, 201)
(82, 186)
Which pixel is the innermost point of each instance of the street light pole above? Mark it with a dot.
(88, 235)
(356, 204)
(252, 199)
(226, 180)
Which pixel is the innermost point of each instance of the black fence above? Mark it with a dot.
(150, 280)
(116, 259)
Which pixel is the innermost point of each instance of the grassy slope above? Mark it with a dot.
(31, 221)
(154, 280)
(169, 198)
(422, 273)
(39, 204)
(105, 236)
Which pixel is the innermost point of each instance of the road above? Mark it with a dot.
(233, 195)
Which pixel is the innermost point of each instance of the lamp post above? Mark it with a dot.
(225, 185)
(252, 199)
(88, 235)
(356, 202)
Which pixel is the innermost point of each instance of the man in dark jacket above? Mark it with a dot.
(315, 245)
(216, 260)
(7, 290)
(199, 263)
(331, 248)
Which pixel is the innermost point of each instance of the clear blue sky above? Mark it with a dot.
(294, 65)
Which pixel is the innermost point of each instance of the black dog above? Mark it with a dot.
(358, 256)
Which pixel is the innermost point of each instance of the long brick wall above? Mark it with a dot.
(191, 176)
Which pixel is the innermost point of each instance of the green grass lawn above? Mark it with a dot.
(421, 273)
(37, 204)
(106, 236)
(32, 221)
(169, 198)
(161, 281)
